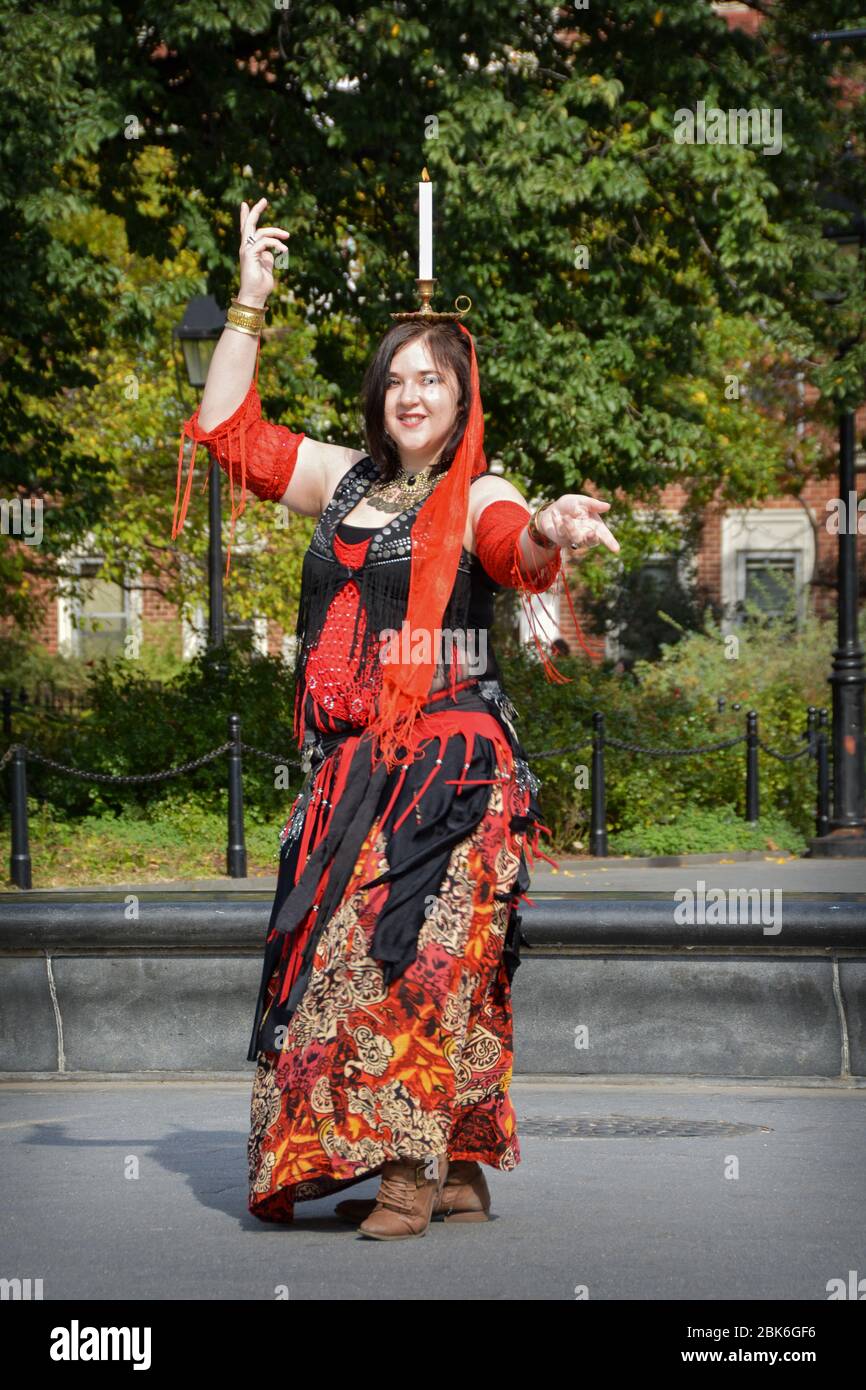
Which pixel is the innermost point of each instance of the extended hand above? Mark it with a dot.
(256, 255)
(573, 521)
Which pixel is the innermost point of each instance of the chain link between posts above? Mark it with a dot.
(277, 758)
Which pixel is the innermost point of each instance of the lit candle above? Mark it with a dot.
(425, 227)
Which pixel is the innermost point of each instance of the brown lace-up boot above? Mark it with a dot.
(404, 1203)
(464, 1197)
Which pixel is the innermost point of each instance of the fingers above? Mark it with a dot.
(607, 537)
(585, 531)
(249, 220)
(266, 241)
(591, 503)
(250, 217)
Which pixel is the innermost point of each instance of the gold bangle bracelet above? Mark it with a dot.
(239, 328)
(250, 308)
(245, 319)
(538, 536)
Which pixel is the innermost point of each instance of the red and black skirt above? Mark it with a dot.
(383, 1025)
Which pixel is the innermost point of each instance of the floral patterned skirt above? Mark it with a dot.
(371, 1072)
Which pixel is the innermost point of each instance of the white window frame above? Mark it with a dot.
(68, 606)
(764, 531)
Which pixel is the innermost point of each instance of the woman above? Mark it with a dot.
(382, 1035)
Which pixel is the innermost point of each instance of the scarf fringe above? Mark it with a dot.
(235, 435)
(529, 585)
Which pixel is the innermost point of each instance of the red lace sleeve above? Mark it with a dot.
(266, 454)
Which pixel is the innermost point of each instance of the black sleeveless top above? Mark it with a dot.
(383, 584)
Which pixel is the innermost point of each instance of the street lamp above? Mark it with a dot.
(199, 332)
(847, 834)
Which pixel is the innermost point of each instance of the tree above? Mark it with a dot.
(600, 253)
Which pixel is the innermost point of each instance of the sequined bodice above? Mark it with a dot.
(343, 674)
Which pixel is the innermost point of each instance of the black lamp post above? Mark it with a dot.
(847, 834)
(199, 332)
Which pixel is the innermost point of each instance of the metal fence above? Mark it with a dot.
(45, 700)
(815, 745)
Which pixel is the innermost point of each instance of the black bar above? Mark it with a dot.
(20, 868)
(831, 35)
(598, 824)
(822, 757)
(847, 678)
(753, 807)
(236, 856)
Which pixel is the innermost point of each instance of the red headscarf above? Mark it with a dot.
(437, 539)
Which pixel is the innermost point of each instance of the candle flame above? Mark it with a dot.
(424, 175)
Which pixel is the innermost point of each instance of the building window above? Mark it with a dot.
(769, 582)
(768, 558)
(99, 613)
(649, 607)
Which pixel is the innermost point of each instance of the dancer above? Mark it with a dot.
(382, 1034)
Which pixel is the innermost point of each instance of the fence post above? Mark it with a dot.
(20, 869)
(811, 725)
(598, 824)
(752, 797)
(236, 857)
(822, 758)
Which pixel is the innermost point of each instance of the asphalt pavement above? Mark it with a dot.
(643, 1189)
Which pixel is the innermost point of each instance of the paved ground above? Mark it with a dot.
(629, 1217)
(611, 875)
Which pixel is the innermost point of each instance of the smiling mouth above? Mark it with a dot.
(411, 419)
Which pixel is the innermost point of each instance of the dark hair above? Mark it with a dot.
(448, 348)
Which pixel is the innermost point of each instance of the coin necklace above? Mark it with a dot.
(403, 491)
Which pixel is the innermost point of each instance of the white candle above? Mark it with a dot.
(425, 228)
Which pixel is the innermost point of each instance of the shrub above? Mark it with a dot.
(709, 830)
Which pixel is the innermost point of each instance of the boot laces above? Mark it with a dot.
(397, 1193)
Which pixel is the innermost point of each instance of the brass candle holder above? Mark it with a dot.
(427, 315)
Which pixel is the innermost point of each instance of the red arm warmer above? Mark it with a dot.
(497, 543)
(266, 454)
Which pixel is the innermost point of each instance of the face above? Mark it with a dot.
(420, 405)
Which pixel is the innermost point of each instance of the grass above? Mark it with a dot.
(101, 850)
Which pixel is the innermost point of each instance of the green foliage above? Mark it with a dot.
(173, 840)
(709, 830)
(131, 136)
(136, 725)
(673, 703)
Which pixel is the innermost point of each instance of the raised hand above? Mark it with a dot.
(573, 521)
(256, 255)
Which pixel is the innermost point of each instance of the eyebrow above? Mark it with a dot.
(424, 372)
